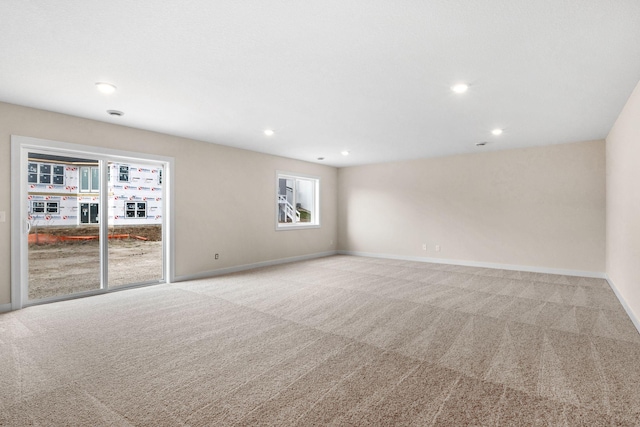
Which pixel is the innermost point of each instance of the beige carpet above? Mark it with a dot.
(335, 341)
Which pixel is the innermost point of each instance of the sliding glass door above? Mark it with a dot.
(62, 222)
(85, 221)
(135, 223)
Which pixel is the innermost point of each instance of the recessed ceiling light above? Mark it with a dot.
(497, 132)
(115, 113)
(460, 88)
(107, 88)
(344, 153)
(481, 144)
(269, 132)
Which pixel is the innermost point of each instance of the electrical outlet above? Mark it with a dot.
(437, 248)
(3, 216)
(217, 256)
(424, 246)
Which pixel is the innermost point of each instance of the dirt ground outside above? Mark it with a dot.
(148, 232)
(66, 268)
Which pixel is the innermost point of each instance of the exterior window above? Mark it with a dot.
(58, 175)
(135, 209)
(89, 213)
(40, 173)
(297, 201)
(45, 207)
(95, 179)
(33, 173)
(38, 207)
(52, 207)
(89, 179)
(123, 176)
(45, 174)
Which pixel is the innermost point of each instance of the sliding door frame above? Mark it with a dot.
(20, 147)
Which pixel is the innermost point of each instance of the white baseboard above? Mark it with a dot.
(630, 313)
(528, 268)
(220, 272)
(5, 307)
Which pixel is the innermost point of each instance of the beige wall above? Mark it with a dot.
(224, 197)
(539, 207)
(623, 203)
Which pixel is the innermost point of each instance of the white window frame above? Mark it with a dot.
(120, 173)
(91, 188)
(46, 206)
(52, 175)
(89, 206)
(135, 210)
(315, 215)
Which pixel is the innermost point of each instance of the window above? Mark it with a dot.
(297, 201)
(95, 179)
(89, 179)
(135, 209)
(33, 173)
(45, 207)
(52, 207)
(89, 213)
(45, 174)
(123, 176)
(40, 173)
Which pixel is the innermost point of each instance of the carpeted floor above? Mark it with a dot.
(334, 341)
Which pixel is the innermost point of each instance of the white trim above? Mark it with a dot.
(5, 308)
(630, 313)
(527, 268)
(18, 212)
(285, 227)
(89, 150)
(316, 201)
(168, 229)
(229, 270)
(103, 215)
(296, 174)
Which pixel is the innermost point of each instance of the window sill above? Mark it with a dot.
(286, 227)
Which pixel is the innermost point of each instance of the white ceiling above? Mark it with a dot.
(368, 76)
